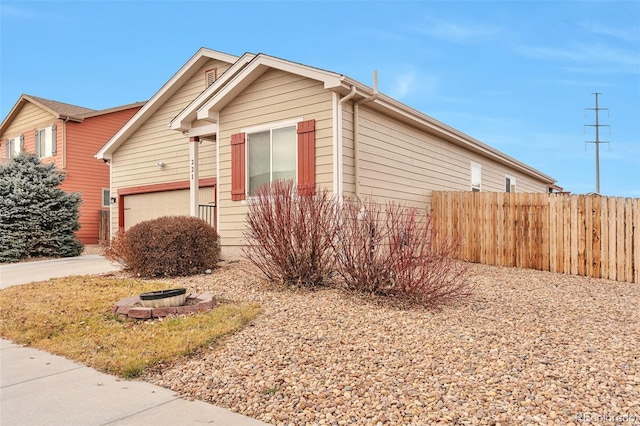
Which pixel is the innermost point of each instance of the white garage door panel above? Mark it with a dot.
(141, 207)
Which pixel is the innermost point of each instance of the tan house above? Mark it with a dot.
(67, 135)
(223, 125)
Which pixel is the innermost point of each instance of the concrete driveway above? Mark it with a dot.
(23, 273)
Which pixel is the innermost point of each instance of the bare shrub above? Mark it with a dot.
(289, 236)
(361, 255)
(398, 252)
(167, 246)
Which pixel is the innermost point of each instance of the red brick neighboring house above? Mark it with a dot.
(69, 136)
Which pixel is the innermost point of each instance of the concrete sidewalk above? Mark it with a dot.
(26, 272)
(37, 388)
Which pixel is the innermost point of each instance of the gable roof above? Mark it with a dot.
(112, 110)
(170, 87)
(60, 110)
(57, 109)
(219, 94)
(238, 77)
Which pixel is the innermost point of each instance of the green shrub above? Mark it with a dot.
(167, 246)
(37, 218)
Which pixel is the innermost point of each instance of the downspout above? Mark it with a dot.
(64, 143)
(356, 131)
(339, 158)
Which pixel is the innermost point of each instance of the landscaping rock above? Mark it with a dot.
(528, 347)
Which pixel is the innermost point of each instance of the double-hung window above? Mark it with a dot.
(46, 142)
(277, 151)
(14, 146)
(271, 156)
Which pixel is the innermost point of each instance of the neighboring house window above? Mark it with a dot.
(106, 197)
(210, 76)
(510, 184)
(264, 155)
(476, 177)
(46, 142)
(14, 146)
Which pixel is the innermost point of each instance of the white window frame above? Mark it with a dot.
(268, 127)
(512, 183)
(478, 167)
(48, 142)
(108, 199)
(14, 147)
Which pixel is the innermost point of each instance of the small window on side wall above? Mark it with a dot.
(476, 177)
(106, 197)
(509, 184)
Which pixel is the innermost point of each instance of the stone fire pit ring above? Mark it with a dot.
(194, 303)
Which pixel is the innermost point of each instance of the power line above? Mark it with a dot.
(597, 142)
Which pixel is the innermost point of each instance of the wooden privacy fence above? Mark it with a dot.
(104, 233)
(587, 235)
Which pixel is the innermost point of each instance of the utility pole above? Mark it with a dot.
(597, 142)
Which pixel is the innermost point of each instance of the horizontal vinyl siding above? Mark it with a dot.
(86, 174)
(275, 96)
(403, 164)
(134, 161)
(29, 119)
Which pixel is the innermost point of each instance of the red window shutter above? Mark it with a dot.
(307, 157)
(238, 173)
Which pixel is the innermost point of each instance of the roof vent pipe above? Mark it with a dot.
(356, 131)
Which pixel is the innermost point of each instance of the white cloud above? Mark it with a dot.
(596, 54)
(619, 33)
(458, 32)
(15, 12)
(409, 84)
(25, 13)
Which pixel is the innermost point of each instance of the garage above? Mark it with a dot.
(138, 207)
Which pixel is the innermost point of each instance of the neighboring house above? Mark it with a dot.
(68, 136)
(261, 118)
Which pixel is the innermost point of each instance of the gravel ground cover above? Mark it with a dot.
(528, 347)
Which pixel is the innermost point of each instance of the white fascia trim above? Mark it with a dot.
(207, 129)
(256, 68)
(183, 120)
(269, 126)
(166, 90)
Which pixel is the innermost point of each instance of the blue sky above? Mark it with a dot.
(516, 75)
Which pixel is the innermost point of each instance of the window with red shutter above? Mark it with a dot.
(238, 167)
(307, 157)
(268, 154)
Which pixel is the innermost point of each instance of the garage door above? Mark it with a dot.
(141, 207)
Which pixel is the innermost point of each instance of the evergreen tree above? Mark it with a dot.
(37, 219)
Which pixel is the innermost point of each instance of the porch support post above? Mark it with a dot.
(194, 188)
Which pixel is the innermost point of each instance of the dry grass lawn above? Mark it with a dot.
(73, 317)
